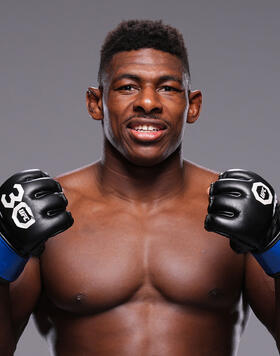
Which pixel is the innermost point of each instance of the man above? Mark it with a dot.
(138, 274)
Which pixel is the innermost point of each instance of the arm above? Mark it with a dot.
(263, 294)
(244, 208)
(17, 301)
(259, 291)
(277, 313)
(7, 336)
(32, 209)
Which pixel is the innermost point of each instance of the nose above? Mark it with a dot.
(147, 101)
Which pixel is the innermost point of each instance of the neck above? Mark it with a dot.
(119, 177)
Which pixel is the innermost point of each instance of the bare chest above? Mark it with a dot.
(114, 258)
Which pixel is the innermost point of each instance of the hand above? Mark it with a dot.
(32, 209)
(244, 208)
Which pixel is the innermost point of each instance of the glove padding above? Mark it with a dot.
(243, 207)
(32, 209)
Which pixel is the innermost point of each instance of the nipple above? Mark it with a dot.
(79, 298)
(216, 293)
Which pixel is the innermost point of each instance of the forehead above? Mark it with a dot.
(145, 61)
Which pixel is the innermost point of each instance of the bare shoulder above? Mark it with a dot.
(198, 177)
(79, 183)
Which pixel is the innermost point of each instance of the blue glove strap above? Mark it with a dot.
(11, 264)
(270, 259)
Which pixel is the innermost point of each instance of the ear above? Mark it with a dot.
(94, 103)
(195, 101)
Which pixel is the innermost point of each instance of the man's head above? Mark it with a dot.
(138, 34)
(143, 98)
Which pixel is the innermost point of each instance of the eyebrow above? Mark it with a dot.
(166, 78)
(127, 76)
(162, 79)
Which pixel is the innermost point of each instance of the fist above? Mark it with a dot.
(32, 209)
(243, 207)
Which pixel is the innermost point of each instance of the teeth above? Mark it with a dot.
(146, 128)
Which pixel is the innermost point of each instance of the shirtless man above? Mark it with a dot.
(137, 273)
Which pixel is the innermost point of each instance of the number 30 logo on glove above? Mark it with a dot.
(22, 214)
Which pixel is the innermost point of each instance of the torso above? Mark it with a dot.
(140, 280)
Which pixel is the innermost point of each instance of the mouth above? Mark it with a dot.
(146, 130)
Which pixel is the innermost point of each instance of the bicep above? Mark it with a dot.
(259, 291)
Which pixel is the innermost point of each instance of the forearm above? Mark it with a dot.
(7, 336)
(277, 312)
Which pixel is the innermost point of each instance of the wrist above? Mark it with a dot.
(269, 259)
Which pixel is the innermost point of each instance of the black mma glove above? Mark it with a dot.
(32, 209)
(244, 208)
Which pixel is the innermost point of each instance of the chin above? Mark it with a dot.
(145, 161)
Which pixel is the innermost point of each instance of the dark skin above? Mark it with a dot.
(137, 274)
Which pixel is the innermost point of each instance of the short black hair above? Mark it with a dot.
(136, 34)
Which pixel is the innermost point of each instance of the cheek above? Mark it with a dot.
(178, 116)
(115, 114)
(118, 110)
(108, 126)
(177, 107)
(119, 102)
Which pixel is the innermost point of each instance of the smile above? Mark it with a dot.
(146, 133)
(146, 128)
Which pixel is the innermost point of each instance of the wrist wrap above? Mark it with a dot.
(270, 260)
(11, 264)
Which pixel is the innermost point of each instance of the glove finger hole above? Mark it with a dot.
(229, 187)
(223, 206)
(62, 221)
(51, 205)
(41, 187)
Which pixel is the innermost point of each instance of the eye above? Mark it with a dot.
(168, 88)
(127, 87)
